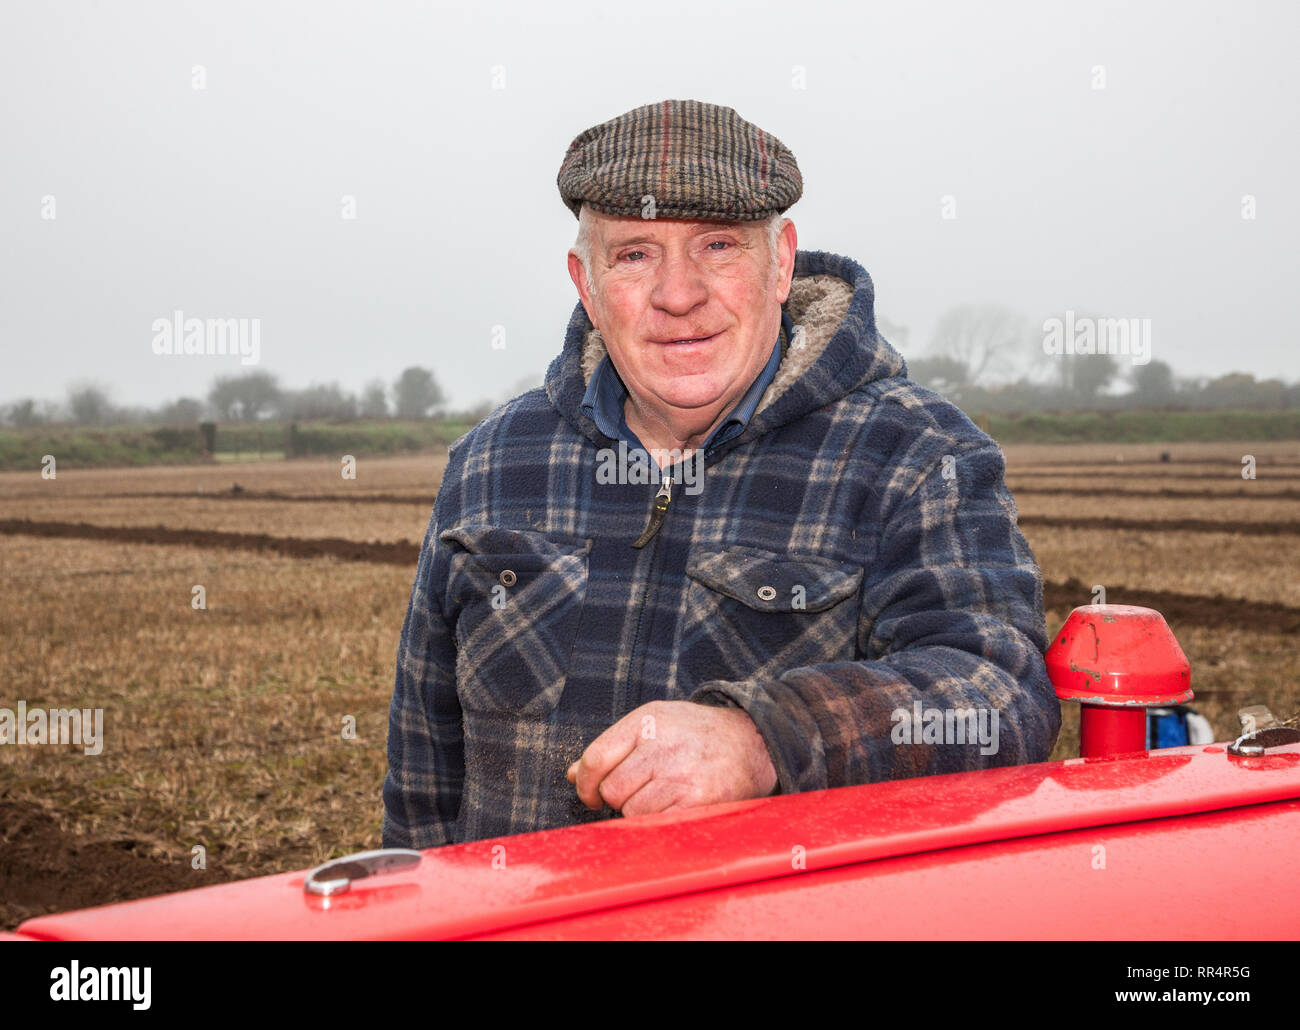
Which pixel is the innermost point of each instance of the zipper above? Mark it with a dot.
(635, 701)
(658, 511)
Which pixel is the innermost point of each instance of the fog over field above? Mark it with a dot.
(375, 183)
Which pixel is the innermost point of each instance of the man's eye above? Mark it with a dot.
(631, 252)
(723, 243)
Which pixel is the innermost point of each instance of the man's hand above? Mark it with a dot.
(674, 754)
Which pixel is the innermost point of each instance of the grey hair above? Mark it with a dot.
(582, 245)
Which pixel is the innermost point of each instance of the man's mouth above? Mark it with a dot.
(690, 339)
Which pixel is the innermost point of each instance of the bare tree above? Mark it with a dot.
(983, 338)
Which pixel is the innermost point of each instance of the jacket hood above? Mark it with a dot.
(835, 350)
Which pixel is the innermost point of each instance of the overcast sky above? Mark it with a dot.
(226, 201)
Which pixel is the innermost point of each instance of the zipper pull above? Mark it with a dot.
(657, 513)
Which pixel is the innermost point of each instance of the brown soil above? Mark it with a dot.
(1246, 493)
(1160, 525)
(1193, 609)
(1148, 472)
(240, 494)
(399, 552)
(46, 869)
(1182, 609)
(1200, 495)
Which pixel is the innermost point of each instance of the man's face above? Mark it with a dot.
(689, 311)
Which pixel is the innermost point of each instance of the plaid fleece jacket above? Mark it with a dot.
(852, 555)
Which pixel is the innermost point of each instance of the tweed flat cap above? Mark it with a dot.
(680, 159)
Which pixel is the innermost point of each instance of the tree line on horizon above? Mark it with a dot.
(249, 397)
(986, 358)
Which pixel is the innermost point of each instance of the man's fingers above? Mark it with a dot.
(626, 778)
(655, 796)
(602, 755)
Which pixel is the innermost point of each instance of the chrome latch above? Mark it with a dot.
(1250, 745)
(1261, 730)
(336, 876)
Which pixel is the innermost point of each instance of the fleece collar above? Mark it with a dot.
(835, 350)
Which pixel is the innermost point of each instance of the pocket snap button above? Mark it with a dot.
(507, 578)
(767, 593)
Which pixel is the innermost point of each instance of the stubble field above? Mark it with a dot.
(250, 733)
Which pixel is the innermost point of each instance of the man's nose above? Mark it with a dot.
(679, 285)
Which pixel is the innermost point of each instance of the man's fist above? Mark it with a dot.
(674, 754)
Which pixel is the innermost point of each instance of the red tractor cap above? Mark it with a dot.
(1118, 655)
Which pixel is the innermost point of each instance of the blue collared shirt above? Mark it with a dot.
(606, 396)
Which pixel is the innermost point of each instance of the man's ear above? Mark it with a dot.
(579, 277)
(786, 245)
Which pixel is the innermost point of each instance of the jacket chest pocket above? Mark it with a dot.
(518, 596)
(756, 613)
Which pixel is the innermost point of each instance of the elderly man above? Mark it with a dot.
(729, 550)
